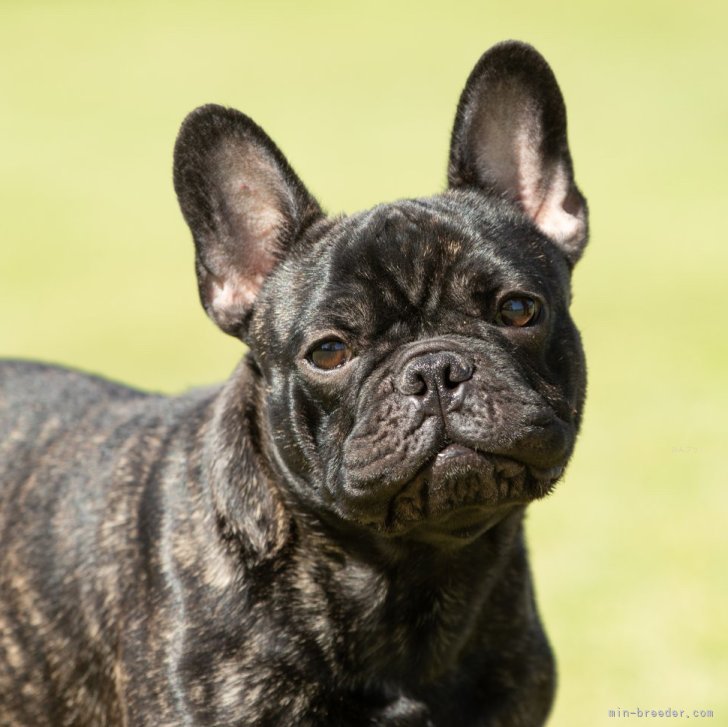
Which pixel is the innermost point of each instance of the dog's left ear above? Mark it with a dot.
(244, 205)
(509, 139)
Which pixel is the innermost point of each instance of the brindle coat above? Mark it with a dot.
(314, 545)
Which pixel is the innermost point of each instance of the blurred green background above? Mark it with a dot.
(96, 263)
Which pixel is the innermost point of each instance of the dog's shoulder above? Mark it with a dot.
(33, 384)
(59, 426)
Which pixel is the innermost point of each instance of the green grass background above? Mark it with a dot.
(96, 263)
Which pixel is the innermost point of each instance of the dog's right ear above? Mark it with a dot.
(244, 205)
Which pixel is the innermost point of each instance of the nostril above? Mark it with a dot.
(412, 382)
(456, 372)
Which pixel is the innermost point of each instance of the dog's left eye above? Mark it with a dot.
(518, 310)
(330, 354)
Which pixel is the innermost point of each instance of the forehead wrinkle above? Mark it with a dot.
(408, 254)
(425, 254)
(336, 293)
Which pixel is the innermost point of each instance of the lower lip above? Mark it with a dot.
(455, 450)
(456, 456)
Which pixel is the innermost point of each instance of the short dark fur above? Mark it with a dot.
(304, 546)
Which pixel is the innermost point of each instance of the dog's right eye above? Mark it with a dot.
(330, 354)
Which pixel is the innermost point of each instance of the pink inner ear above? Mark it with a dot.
(509, 155)
(504, 144)
(251, 220)
(557, 216)
(231, 298)
(256, 208)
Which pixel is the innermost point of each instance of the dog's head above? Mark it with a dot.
(423, 376)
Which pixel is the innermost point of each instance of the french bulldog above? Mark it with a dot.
(335, 535)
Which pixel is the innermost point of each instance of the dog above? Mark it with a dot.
(334, 536)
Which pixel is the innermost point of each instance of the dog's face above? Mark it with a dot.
(422, 374)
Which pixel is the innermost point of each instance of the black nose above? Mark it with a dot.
(440, 373)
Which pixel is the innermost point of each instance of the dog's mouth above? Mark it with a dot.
(462, 492)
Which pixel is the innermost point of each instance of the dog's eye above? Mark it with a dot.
(519, 310)
(330, 354)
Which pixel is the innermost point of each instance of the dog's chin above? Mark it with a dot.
(459, 494)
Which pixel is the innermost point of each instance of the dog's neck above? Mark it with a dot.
(420, 610)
